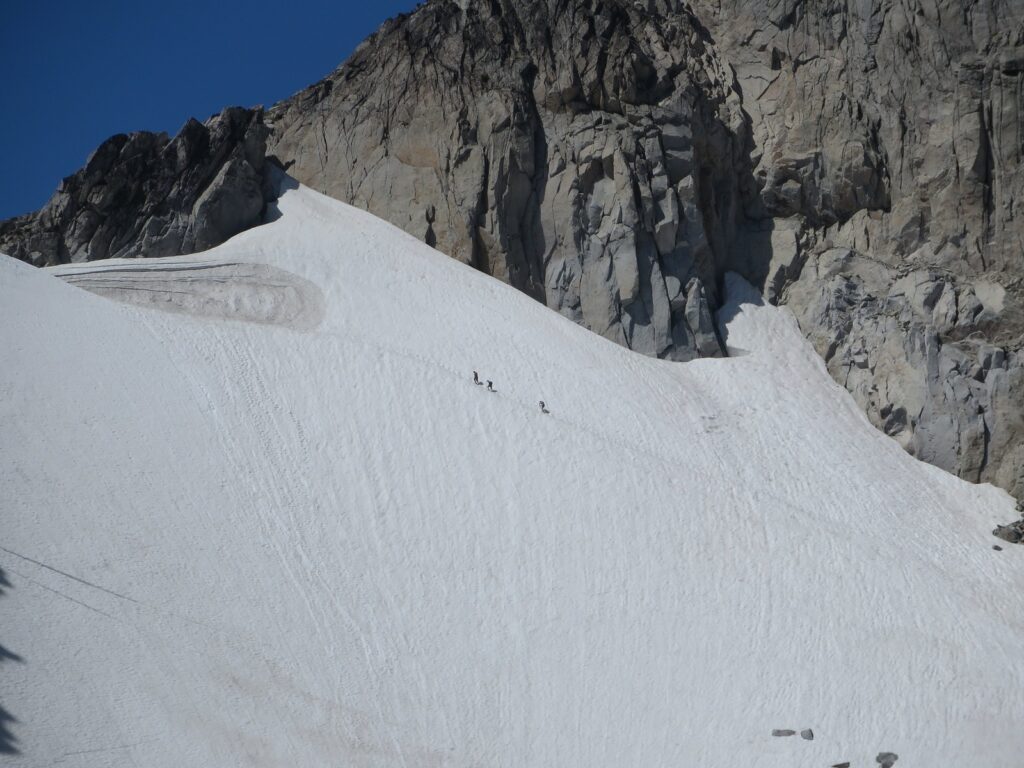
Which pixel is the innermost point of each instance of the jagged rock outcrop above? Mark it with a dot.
(859, 159)
(594, 155)
(144, 194)
(889, 136)
(933, 360)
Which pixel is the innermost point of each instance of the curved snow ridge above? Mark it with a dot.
(248, 292)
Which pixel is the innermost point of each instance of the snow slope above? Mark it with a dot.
(278, 525)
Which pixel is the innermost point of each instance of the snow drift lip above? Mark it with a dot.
(249, 292)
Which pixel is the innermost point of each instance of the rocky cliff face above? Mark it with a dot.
(889, 138)
(594, 155)
(859, 159)
(144, 194)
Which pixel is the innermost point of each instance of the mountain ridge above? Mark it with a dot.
(615, 160)
(236, 540)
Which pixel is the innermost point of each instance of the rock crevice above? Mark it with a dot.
(593, 155)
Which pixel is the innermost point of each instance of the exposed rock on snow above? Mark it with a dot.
(1013, 533)
(922, 356)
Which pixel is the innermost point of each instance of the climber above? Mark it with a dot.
(476, 379)
(490, 386)
(543, 408)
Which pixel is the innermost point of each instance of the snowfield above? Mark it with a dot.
(278, 525)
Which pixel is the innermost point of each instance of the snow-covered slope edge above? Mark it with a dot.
(269, 541)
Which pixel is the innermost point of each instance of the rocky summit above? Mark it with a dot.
(144, 194)
(859, 160)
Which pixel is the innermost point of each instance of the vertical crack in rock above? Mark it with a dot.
(888, 139)
(611, 145)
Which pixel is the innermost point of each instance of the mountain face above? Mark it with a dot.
(889, 138)
(859, 160)
(144, 194)
(277, 524)
(593, 155)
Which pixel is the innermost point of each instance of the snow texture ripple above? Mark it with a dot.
(280, 525)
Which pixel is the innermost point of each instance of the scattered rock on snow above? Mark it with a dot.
(807, 734)
(1013, 533)
(783, 732)
(887, 759)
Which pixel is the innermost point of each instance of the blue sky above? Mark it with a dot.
(74, 73)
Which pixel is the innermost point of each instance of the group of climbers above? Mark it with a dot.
(490, 388)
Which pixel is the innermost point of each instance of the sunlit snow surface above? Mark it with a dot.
(280, 526)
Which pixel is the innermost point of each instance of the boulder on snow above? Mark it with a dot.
(1013, 533)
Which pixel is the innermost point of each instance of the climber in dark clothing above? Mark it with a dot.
(543, 408)
(476, 378)
(490, 386)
